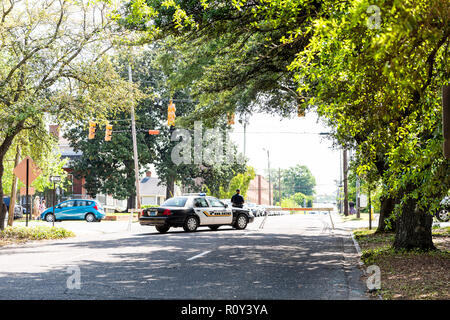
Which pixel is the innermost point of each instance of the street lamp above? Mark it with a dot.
(268, 167)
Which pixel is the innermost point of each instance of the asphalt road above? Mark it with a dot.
(292, 257)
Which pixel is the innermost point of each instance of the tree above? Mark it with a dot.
(110, 164)
(376, 82)
(297, 179)
(241, 181)
(302, 199)
(236, 54)
(53, 65)
(378, 87)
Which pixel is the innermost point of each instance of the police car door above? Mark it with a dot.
(203, 211)
(221, 213)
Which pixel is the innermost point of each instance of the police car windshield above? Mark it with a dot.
(175, 202)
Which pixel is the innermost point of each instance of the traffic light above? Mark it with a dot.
(300, 111)
(92, 128)
(108, 132)
(171, 114)
(446, 120)
(230, 118)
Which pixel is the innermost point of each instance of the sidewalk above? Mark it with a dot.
(354, 224)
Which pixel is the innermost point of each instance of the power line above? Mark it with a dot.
(282, 132)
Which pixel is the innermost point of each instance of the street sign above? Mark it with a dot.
(23, 191)
(55, 179)
(362, 201)
(21, 170)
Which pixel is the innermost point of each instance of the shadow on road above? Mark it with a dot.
(240, 265)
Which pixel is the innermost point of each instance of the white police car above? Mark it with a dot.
(192, 211)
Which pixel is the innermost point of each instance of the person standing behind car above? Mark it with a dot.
(42, 208)
(237, 200)
(36, 207)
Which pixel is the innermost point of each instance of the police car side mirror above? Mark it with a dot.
(226, 205)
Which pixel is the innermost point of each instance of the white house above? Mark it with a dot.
(151, 192)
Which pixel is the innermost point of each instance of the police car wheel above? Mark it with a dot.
(162, 229)
(191, 224)
(214, 228)
(241, 222)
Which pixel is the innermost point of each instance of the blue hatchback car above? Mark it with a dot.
(89, 210)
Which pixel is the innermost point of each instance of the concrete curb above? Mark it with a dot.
(358, 248)
(361, 264)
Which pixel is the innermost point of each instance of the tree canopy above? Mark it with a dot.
(53, 67)
(374, 75)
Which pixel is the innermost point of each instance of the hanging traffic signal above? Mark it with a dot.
(92, 128)
(171, 114)
(230, 118)
(108, 132)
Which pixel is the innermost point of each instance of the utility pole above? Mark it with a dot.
(245, 119)
(270, 180)
(279, 185)
(135, 152)
(345, 182)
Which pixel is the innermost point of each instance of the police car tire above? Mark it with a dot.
(214, 228)
(162, 229)
(238, 220)
(190, 225)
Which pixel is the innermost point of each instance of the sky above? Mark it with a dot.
(290, 142)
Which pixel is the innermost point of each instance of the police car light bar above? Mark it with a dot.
(202, 194)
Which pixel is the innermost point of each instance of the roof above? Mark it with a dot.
(149, 186)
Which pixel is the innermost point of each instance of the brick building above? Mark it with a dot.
(258, 191)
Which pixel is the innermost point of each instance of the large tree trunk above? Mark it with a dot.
(12, 201)
(345, 182)
(414, 228)
(170, 187)
(3, 149)
(387, 205)
(2, 205)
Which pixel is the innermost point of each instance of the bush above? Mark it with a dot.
(34, 233)
(149, 206)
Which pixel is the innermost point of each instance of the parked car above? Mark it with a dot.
(89, 210)
(193, 211)
(252, 208)
(443, 213)
(18, 209)
(261, 209)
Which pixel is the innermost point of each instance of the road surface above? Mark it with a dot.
(292, 257)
